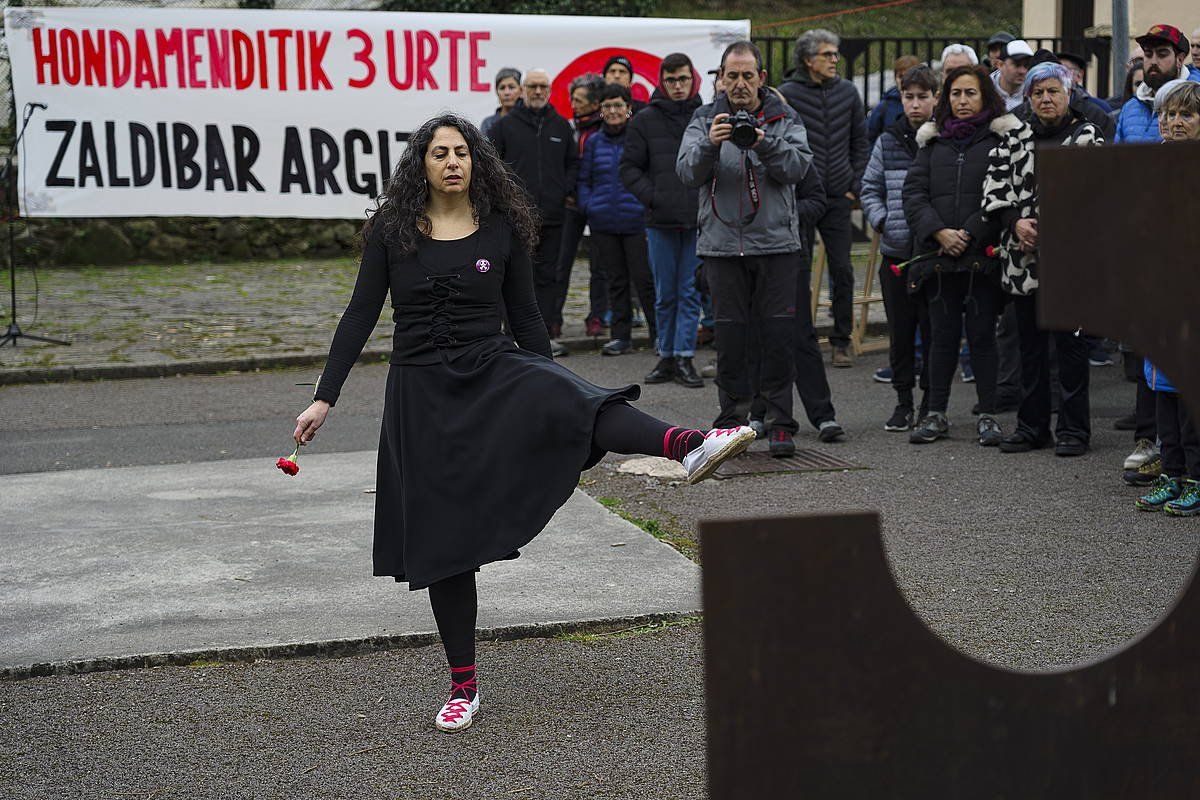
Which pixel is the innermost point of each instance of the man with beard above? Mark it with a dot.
(648, 171)
(1164, 53)
(538, 146)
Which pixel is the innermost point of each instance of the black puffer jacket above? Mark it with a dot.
(648, 164)
(540, 149)
(832, 112)
(944, 189)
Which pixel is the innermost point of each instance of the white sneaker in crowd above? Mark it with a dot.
(719, 445)
(1142, 452)
(457, 714)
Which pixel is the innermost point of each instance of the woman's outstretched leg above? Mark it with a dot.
(455, 607)
(621, 428)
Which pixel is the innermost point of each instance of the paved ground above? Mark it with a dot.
(142, 316)
(1024, 561)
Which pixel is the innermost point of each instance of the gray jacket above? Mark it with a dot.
(779, 163)
(883, 187)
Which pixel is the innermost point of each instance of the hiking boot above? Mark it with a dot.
(990, 432)
(1143, 451)
(594, 327)
(1146, 474)
(1069, 446)
(617, 347)
(663, 372)
(883, 375)
(1162, 491)
(719, 444)
(1188, 504)
(685, 373)
(782, 445)
(901, 419)
(933, 427)
(830, 431)
(841, 357)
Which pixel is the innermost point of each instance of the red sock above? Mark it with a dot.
(462, 682)
(678, 442)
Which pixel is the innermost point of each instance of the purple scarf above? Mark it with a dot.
(955, 128)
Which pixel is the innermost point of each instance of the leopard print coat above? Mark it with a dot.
(1011, 186)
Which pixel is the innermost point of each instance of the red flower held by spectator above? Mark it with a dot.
(895, 269)
(990, 251)
(288, 463)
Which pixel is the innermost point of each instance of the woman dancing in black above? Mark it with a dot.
(483, 437)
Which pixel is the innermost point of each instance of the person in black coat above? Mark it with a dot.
(483, 435)
(539, 147)
(943, 195)
(832, 111)
(648, 171)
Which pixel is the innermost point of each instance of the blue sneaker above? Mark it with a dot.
(968, 374)
(883, 375)
(1188, 504)
(1162, 491)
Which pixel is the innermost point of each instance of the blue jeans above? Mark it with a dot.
(677, 302)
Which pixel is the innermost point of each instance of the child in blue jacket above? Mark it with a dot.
(617, 221)
(1177, 490)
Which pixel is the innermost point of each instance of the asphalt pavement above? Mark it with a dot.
(1024, 561)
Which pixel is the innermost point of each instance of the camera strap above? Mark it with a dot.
(749, 183)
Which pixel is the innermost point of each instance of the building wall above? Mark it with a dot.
(1043, 17)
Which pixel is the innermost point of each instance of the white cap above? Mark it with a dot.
(1018, 48)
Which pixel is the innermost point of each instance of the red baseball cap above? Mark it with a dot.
(1165, 33)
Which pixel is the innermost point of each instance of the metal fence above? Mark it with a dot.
(868, 62)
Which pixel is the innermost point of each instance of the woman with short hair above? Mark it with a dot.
(508, 91)
(1011, 199)
(483, 437)
(958, 274)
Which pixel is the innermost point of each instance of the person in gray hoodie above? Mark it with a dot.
(749, 234)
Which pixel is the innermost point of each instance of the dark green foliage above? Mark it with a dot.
(599, 8)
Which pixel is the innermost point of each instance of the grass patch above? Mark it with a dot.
(629, 633)
(201, 663)
(666, 529)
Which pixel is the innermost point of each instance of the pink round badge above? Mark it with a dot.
(483, 265)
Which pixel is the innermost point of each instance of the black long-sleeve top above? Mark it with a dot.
(446, 301)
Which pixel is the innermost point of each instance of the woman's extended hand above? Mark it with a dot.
(309, 421)
(1027, 234)
(953, 242)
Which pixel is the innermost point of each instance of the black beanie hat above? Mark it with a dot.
(618, 59)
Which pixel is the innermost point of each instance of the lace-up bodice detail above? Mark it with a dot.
(441, 328)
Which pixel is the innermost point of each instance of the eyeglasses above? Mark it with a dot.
(618, 106)
(682, 79)
(832, 55)
(537, 87)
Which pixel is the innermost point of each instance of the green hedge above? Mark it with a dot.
(597, 8)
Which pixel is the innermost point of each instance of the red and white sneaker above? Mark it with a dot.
(719, 444)
(457, 714)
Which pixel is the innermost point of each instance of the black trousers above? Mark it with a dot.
(545, 271)
(572, 234)
(1074, 411)
(956, 298)
(626, 262)
(1009, 374)
(754, 293)
(835, 233)
(1177, 433)
(906, 314)
(1145, 411)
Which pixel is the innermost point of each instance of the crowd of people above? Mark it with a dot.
(708, 215)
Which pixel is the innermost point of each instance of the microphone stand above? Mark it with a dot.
(14, 332)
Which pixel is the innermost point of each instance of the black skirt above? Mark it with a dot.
(475, 456)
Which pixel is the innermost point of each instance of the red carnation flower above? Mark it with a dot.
(990, 251)
(288, 463)
(895, 268)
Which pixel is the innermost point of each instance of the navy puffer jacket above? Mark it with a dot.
(602, 197)
(883, 188)
(832, 112)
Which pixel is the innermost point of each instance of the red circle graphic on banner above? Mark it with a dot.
(645, 74)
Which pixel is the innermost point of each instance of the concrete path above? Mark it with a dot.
(233, 555)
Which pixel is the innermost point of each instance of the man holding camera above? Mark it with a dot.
(745, 152)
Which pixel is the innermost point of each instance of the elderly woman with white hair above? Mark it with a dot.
(958, 55)
(1011, 196)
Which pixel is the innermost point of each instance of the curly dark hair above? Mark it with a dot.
(400, 208)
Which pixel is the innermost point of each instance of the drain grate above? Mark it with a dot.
(760, 462)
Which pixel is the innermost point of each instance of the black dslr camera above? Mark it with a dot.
(745, 130)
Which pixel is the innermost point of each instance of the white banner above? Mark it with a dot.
(157, 112)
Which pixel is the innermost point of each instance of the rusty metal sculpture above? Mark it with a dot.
(859, 698)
